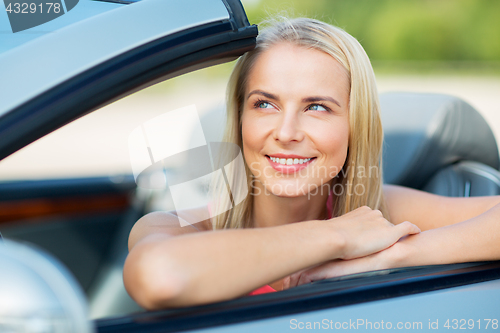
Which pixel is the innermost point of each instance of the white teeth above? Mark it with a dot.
(289, 161)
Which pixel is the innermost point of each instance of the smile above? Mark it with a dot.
(290, 161)
(289, 164)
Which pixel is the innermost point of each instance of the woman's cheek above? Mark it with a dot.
(255, 168)
(332, 139)
(333, 144)
(253, 133)
(250, 148)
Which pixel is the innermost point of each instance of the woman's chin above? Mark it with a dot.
(289, 190)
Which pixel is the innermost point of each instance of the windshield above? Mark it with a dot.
(66, 15)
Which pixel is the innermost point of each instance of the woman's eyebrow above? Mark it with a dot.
(304, 100)
(263, 93)
(319, 99)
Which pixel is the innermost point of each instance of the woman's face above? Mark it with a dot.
(295, 125)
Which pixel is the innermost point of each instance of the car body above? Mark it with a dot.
(108, 50)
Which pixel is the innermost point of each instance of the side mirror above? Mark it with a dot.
(38, 294)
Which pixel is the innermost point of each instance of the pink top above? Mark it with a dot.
(267, 288)
(262, 290)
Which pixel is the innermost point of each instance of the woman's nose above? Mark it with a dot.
(288, 129)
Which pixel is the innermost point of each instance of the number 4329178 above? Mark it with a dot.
(463, 324)
(31, 8)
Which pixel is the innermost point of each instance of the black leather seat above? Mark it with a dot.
(438, 143)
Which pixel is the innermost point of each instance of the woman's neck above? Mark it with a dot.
(271, 210)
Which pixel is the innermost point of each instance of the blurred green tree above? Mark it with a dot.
(404, 30)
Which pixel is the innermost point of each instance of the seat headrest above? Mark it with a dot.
(426, 132)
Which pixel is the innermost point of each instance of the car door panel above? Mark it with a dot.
(73, 219)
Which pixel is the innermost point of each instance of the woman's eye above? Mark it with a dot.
(264, 105)
(316, 107)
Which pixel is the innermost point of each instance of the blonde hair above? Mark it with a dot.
(365, 135)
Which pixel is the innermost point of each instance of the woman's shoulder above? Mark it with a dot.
(171, 223)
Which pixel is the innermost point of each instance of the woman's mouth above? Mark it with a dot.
(289, 164)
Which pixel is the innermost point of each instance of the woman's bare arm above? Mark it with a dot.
(454, 230)
(431, 211)
(475, 239)
(171, 266)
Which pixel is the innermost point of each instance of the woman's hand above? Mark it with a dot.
(389, 258)
(364, 231)
(367, 236)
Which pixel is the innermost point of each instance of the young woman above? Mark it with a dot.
(303, 108)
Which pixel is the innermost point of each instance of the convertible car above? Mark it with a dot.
(78, 128)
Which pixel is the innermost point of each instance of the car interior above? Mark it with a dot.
(439, 144)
